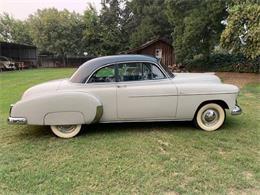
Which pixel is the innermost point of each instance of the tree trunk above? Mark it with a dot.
(64, 60)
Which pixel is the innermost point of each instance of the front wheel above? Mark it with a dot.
(210, 117)
(65, 131)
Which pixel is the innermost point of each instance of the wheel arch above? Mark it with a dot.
(222, 103)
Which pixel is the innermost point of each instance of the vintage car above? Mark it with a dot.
(6, 63)
(126, 88)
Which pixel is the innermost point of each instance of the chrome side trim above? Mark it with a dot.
(145, 120)
(152, 95)
(99, 114)
(213, 93)
(236, 110)
(18, 120)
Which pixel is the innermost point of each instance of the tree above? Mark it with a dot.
(242, 33)
(147, 20)
(13, 30)
(92, 32)
(106, 33)
(196, 26)
(110, 27)
(58, 32)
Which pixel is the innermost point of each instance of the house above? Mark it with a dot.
(160, 48)
(25, 56)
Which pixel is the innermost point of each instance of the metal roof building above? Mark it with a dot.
(21, 53)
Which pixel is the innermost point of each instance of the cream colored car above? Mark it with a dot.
(6, 63)
(126, 88)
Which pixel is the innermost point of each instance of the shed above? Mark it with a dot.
(20, 53)
(160, 48)
(51, 61)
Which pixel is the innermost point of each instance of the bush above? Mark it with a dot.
(224, 63)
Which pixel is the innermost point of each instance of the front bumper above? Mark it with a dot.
(15, 120)
(236, 110)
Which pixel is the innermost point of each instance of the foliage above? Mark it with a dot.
(197, 26)
(242, 33)
(92, 32)
(103, 33)
(13, 30)
(194, 27)
(56, 31)
(224, 62)
(136, 158)
(148, 20)
(110, 23)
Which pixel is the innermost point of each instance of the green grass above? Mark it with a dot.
(128, 158)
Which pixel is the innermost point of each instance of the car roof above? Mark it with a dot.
(3, 57)
(88, 67)
(100, 61)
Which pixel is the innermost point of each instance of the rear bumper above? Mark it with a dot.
(236, 110)
(15, 120)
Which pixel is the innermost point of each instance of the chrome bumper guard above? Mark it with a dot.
(236, 111)
(15, 120)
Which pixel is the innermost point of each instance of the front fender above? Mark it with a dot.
(59, 108)
(193, 95)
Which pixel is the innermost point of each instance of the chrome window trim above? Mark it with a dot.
(97, 71)
(116, 63)
(126, 82)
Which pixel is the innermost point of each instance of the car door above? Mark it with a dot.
(144, 92)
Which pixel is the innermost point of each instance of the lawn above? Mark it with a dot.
(135, 158)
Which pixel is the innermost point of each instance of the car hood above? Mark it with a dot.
(196, 78)
(41, 89)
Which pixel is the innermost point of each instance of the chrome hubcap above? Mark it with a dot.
(66, 128)
(210, 117)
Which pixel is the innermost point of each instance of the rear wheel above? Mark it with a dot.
(65, 131)
(210, 117)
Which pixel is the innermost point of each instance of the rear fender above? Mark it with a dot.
(59, 108)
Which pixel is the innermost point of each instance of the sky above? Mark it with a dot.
(21, 9)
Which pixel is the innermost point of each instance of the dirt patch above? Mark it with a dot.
(239, 79)
(248, 175)
(171, 193)
(251, 191)
(163, 146)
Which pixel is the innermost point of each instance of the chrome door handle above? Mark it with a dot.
(121, 86)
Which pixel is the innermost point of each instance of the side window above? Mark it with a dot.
(152, 72)
(106, 74)
(139, 71)
(130, 72)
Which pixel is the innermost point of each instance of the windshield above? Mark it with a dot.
(167, 70)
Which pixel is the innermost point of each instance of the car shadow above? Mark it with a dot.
(102, 128)
(107, 128)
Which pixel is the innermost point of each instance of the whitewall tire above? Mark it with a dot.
(210, 117)
(65, 131)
